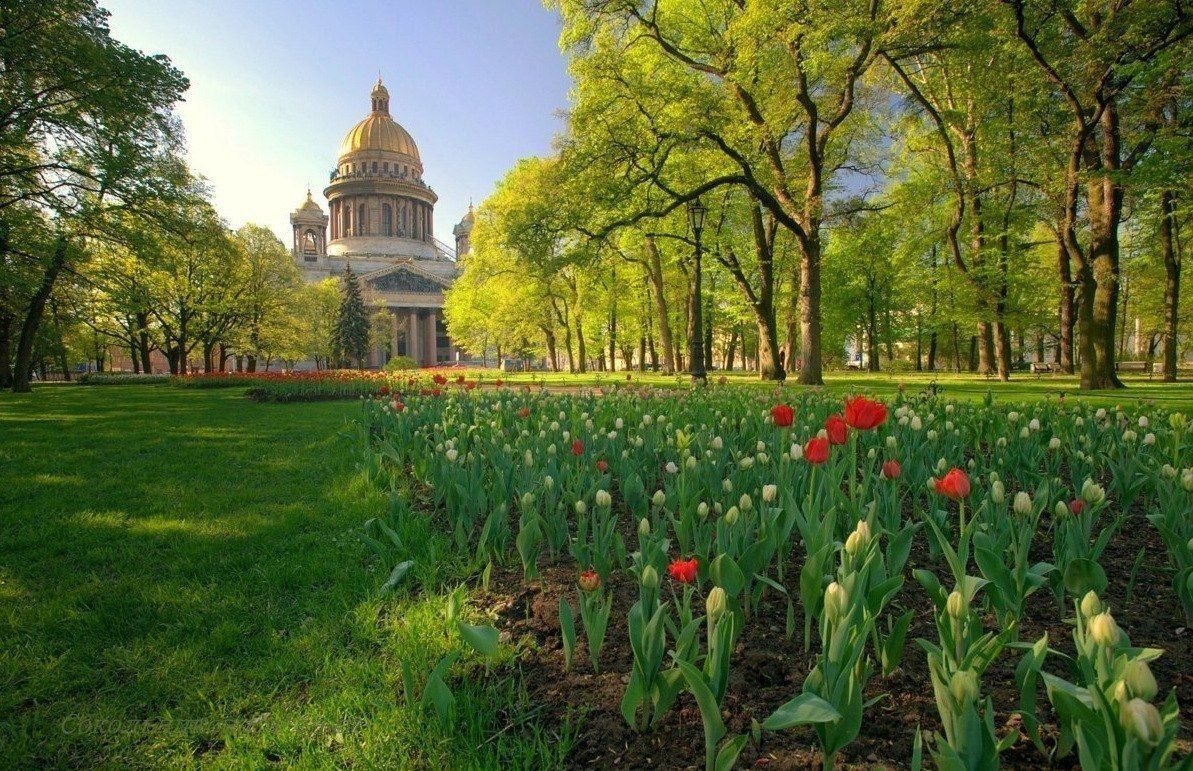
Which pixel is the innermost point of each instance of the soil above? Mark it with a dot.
(768, 669)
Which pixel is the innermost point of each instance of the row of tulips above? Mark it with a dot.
(712, 499)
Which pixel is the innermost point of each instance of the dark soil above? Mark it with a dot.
(768, 669)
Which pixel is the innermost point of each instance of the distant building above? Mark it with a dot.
(381, 221)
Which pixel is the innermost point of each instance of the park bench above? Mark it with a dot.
(1134, 366)
(1040, 367)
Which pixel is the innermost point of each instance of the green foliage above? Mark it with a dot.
(350, 337)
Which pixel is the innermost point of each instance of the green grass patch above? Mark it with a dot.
(183, 581)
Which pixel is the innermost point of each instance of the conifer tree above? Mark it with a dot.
(351, 336)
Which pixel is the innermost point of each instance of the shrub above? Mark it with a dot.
(400, 363)
(120, 378)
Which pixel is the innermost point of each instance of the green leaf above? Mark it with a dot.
(1083, 575)
(727, 575)
(483, 639)
(805, 709)
(567, 629)
(727, 756)
(396, 575)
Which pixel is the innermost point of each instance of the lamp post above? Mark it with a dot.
(696, 212)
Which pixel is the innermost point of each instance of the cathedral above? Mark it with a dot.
(381, 221)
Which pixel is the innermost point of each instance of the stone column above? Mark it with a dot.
(412, 346)
(432, 338)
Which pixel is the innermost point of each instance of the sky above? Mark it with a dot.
(276, 84)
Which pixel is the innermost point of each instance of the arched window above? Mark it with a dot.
(345, 221)
(308, 242)
(387, 220)
(362, 222)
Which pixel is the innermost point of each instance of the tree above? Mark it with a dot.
(350, 340)
(86, 132)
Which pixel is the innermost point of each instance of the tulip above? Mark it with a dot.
(1092, 493)
(956, 606)
(1142, 720)
(1149, 439)
(659, 498)
(671, 468)
(1060, 510)
(1187, 479)
(836, 601)
(602, 465)
(452, 454)
(715, 603)
(577, 448)
(864, 414)
(1140, 680)
(1076, 506)
(954, 484)
(891, 469)
(782, 415)
(589, 581)
(1091, 604)
(998, 492)
(603, 499)
(650, 577)
(1054, 443)
(1178, 421)
(816, 451)
(836, 429)
(1143, 423)
(964, 686)
(731, 515)
(643, 527)
(769, 493)
(1103, 630)
(744, 503)
(702, 509)
(683, 571)
(581, 507)
(1022, 505)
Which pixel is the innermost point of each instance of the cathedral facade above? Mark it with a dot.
(380, 222)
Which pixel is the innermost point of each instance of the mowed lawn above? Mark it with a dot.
(182, 582)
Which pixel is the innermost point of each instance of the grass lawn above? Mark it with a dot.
(1022, 387)
(182, 582)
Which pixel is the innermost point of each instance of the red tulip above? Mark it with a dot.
(589, 581)
(499, 382)
(435, 392)
(782, 415)
(816, 450)
(439, 379)
(577, 447)
(399, 407)
(683, 571)
(891, 469)
(471, 384)
(1076, 505)
(602, 466)
(383, 391)
(837, 428)
(954, 484)
(722, 380)
(524, 412)
(459, 378)
(864, 414)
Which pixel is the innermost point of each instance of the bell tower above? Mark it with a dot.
(310, 231)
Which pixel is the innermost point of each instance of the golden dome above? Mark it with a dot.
(310, 205)
(379, 131)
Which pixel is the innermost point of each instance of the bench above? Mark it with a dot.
(1134, 366)
(1040, 367)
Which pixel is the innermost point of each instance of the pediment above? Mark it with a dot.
(404, 278)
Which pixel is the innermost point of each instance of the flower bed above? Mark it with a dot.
(751, 581)
(120, 378)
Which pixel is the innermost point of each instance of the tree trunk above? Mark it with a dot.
(1170, 251)
(730, 349)
(552, 353)
(37, 306)
(811, 370)
(581, 349)
(1104, 197)
(655, 273)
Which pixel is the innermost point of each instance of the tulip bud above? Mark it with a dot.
(589, 581)
(1149, 439)
(527, 500)
(672, 468)
(1178, 421)
(643, 527)
(769, 493)
(581, 507)
(746, 463)
(745, 503)
(727, 485)
(1034, 424)
(715, 604)
(1054, 443)
(1119, 693)
(796, 452)
(1061, 510)
(891, 443)
(916, 423)
(731, 515)
(1101, 413)
(548, 482)
(854, 543)
(1143, 423)
(603, 499)
(836, 601)
(1140, 680)
(964, 686)
(998, 493)
(650, 577)
(1129, 436)
(1092, 493)
(659, 498)
(1142, 720)
(1104, 630)
(1168, 471)
(452, 454)
(956, 606)
(702, 509)
(1091, 604)
(1022, 505)
(1187, 480)
(690, 463)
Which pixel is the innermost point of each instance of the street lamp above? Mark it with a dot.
(696, 212)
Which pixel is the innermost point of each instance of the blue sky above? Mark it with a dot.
(275, 85)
